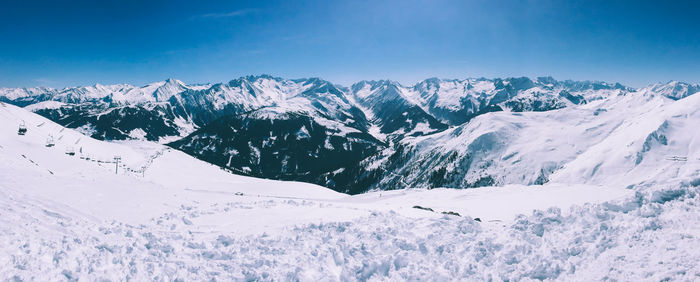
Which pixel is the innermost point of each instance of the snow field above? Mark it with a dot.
(649, 236)
(62, 217)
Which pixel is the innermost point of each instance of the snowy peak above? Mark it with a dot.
(316, 86)
(256, 92)
(635, 136)
(514, 83)
(674, 89)
(393, 109)
(171, 80)
(368, 117)
(373, 92)
(385, 107)
(378, 83)
(118, 94)
(456, 101)
(26, 96)
(167, 89)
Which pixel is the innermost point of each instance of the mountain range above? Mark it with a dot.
(381, 134)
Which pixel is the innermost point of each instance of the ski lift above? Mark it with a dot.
(22, 129)
(70, 151)
(50, 142)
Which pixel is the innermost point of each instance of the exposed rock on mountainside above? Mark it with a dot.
(381, 134)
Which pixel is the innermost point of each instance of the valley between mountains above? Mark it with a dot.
(265, 178)
(383, 135)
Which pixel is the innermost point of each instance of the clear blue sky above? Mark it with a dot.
(67, 43)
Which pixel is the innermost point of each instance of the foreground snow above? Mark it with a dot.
(67, 217)
(650, 236)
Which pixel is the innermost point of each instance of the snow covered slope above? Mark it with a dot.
(623, 139)
(142, 164)
(64, 217)
(150, 175)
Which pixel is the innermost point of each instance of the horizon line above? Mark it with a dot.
(532, 78)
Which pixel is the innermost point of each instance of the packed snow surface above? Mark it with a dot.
(166, 216)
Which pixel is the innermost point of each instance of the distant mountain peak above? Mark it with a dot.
(171, 80)
(262, 76)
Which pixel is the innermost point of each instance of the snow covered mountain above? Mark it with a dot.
(372, 135)
(624, 138)
(110, 112)
(457, 101)
(422, 109)
(673, 89)
(167, 216)
(273, 144)
(117, 94)
(393, 111)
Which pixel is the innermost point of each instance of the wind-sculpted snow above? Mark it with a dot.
(645, 237)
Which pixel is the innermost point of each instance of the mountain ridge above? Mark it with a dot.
(361, 137)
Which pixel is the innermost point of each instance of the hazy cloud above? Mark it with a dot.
(43, 81)
(237, 13)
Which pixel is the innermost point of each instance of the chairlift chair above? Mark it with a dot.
(50, 142)
(22, 129)
(70, 151)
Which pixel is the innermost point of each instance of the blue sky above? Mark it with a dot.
(67, 43)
